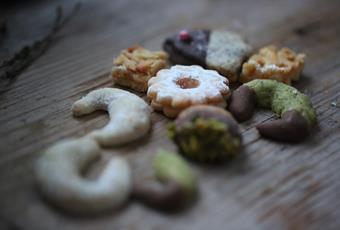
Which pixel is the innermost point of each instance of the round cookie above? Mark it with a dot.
(206, 133)
(221, 50)
(180, 87)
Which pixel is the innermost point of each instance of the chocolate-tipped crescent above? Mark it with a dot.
(166, 196)
(295, 109)
(174, 184)
(242, 103)
(292, 127)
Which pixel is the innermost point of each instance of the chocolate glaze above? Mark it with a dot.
(164, 196)
(209, 112)
(242, 103)
(292, 127)
(191, 52)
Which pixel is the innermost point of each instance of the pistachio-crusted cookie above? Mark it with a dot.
(295, 109)
(206, 133)
(283, 65)
(180, 87)
(136, 65)
(221, 50)
(174, 186)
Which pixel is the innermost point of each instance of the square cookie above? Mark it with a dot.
(136, 65)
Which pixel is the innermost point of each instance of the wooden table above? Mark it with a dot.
(272, 186)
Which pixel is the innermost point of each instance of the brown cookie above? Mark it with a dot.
(220, 50)
(283, 65)
(206, 133)
(136, 65)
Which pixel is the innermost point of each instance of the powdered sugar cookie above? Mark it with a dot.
(136, 65)
(129, 115)
(283, 65)
(179, 87)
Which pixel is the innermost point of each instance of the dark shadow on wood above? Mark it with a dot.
(304, 82)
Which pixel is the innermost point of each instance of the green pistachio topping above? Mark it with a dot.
(280, 98)
(171, 166)
(205, 139)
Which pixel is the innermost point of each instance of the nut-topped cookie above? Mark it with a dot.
(221, 50)
(283, 65)
(136, 65)
(297, 114)
(206, 133)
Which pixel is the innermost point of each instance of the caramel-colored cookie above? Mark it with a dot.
(136, 65)
(283, 65)
(180, 87)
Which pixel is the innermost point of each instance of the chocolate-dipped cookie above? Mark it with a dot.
(206, 133)
(295, 109)
(221, 50)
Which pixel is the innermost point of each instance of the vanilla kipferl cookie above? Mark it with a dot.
(283, 65)
(136, 65)
(180, 87)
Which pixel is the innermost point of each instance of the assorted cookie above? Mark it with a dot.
(174, 184)
(221, 50)
(206, 133)
(130, 115)
(180, 87)
(203, 131)
(295, 109)
(136, 65)
(283, 65)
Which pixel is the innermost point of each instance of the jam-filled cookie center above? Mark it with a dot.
(187, 83)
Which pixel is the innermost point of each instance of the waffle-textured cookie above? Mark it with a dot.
(283, 65)
(136, 65)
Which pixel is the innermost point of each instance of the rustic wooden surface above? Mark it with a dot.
(272, 186)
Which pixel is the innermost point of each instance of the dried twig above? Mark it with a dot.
(12, 67)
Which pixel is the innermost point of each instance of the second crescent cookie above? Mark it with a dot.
(180, 87)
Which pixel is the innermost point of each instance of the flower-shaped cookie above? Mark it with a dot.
(179, 87)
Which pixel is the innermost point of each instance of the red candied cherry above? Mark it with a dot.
(184, 36)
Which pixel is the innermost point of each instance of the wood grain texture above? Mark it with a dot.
(271, 186)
